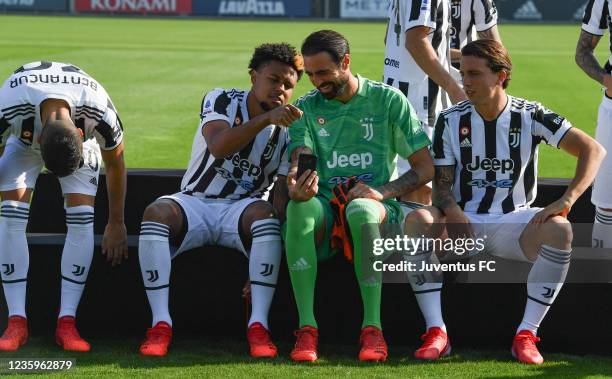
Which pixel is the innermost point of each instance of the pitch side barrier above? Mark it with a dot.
(206, 287)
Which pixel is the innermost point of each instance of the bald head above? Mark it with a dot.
(61, 146)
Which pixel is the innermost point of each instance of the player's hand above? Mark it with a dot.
(284, 115)
(458, 225)
(305, 187)
(560, 207)
(363, 191)
(114, 243)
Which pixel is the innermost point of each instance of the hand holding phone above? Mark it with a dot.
(306, 162)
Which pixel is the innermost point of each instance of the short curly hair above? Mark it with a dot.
(280, 52)
(61, 147)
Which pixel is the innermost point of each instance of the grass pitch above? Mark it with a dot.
(157, 71)
(196, 359)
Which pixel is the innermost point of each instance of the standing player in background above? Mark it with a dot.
(54, 114)
(594, 24)
(239, 148)
(471, 20)
(417, 62)
(486, 156)
(356, 127)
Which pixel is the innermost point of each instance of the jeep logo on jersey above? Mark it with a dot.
(362, 160)
(245, 165)
(231, 178)
(488, 164)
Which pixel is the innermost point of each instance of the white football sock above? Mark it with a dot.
(602, 229)
(427, 287)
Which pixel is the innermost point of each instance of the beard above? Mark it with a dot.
(337, 88)
(265, 106)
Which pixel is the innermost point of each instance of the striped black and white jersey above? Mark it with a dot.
(91, 108)
(247, 173)
(469, 17)
(597, 18)
(496, 162)
(401, 70)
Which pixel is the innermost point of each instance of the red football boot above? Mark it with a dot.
(524, 348)
(305, 349)
(67, 335)
(157, 340)
(373, 345)
(15, 335)
(435, 344)
(259, 341)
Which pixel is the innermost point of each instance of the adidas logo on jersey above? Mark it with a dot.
(465, 143)
(299, 265)
(94, 181)
(528, 11)
(323, 133)
(578, 16)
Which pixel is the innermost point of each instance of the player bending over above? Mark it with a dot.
(54, 114)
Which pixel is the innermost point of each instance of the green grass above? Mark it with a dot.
(229, 359)
(156, 70)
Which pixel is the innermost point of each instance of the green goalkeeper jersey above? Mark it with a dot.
(361, 138)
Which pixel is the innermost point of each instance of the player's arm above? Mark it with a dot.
(491, 33)
(223, 140)
(586, 60)
(425, 56)
(590, 154)
(421, 172)
(114, 242)
(281, 197)
(455, 55)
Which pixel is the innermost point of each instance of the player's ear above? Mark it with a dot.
(501, 77)
(253, 74)
(346, 61)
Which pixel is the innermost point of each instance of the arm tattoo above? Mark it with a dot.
(404, 184)
(442, 195)
(585, 57)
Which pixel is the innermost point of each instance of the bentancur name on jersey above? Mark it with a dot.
(74, 79)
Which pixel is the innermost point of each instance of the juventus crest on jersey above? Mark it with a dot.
(91, 109)
(496, 162)
(597, 18)
(469, 17)
(247, 173)
(401, 70)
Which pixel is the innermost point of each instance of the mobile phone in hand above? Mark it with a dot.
(306, 162)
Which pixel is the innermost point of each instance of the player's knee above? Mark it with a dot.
(260, 210)
(421, 216)
(161, 212)
(557, 232)
(300, 209)
(360, 208)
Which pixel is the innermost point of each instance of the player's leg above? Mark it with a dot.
(306, 229)
(548, 246)
(427, 286)
(19, 168)
(601, 196)
(364, 217)
(260, 235)
(79, 191)
(162, 220)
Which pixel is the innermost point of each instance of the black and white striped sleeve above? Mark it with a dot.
(284, 165)
(596, 14)
(418, 13)
(215, 106)
(548, 125)
(442, 148)
(109, 130)
(485, 14)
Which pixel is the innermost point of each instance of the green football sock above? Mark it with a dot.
(303, 218)
(363, 216)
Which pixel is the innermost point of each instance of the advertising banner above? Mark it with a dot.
(253, 8)
(173, 7)
(374, 9)
(34, 5)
